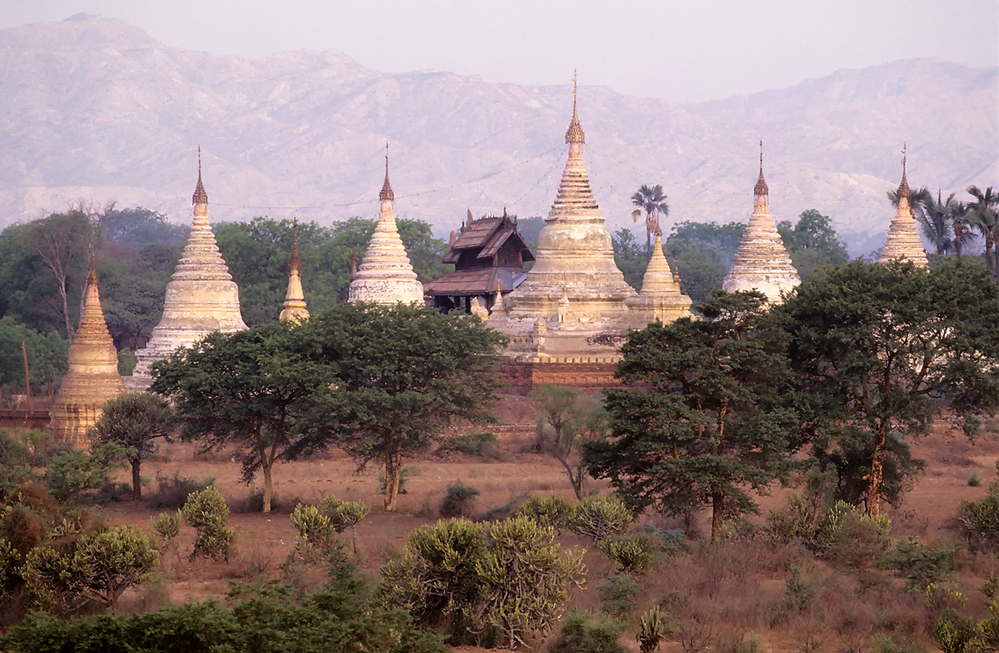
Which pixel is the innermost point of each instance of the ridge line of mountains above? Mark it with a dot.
(94, 109)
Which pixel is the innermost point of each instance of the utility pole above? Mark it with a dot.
(27, 379)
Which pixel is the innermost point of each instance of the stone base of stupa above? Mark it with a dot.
(536, 340)
(79, 405)
(386, 291)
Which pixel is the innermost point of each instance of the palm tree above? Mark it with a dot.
(984, 217)
(957, 216)
(653, 201)
(935, 224)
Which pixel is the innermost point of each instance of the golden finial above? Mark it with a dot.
(761, 183)
(200, 196)
(903, 188)
(92, 277)
(386, 192)
(575, 132)
(294, 263)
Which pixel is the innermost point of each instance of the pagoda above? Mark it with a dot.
(385, 275)
(93, 376)
(200, 298)
(574, 301)
(660, 298)
(762, 263)
(903, 237)
(294, 299)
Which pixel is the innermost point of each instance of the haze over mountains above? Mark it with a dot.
(95, 109)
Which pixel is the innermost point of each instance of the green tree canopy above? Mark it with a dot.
(134, 421)
(705, 415)
(48, 357)
(887, 349)
(812, 243)
(629, 257)
(703, 252)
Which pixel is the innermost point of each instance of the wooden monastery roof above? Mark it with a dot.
(490, 234)
(481, 281)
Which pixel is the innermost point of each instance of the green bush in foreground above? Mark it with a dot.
(207, 512)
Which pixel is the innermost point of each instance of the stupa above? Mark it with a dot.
(903, 236)
(200, 298)
(294, 300)
(660, 297)
(762, 262)
(575, 292)
(386, 276)
(93, 376)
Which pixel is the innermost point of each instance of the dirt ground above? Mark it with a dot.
(264, 540)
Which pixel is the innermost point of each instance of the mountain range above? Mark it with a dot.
(94, 109)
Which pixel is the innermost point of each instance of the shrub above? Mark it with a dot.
(633, 555)
(922, 565)
(312, 526)
(581, 633)
(884, 643)
(652, 629)
(70, 473)
(792, 522)
(344, 515)
(974, 480)
(459, 501)
(797, 593)
(618, 594)
(980, 520)
(551, 511)
(485, 445)
(166, 526)
(598, 517)
(671, 540)
(955, 633)
(852, 539)
(207, 512)
(172, 491)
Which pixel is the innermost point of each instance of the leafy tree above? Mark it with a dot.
(252, 390)
(812, 243)
(652, 200)
(702, 253)
(61, 240)
(572, 420)
(71, 472)
(48, 356)
(115, 559)
(984, 217)
(134, 421)
(141, 227)
(401, 374)
(886, 348)
(704, 416)
(629, 258)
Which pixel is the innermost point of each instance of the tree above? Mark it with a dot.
(61, 241)
(704, 415)
(652, 200)
(134, 421)
(401, 375)
(984, 217)
(812, 243)
(702, 253)
(885, 349)
(48, 356)
(935, 225)
(629, 257)
(571, 422)
(252, 390)
(116, 559)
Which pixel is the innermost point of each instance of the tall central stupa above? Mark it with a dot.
(574, 300)
(762, 262)
(200, 298)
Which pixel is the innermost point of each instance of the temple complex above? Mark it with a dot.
(660, 298)
(903, 237)
(386, 276)
(762, 263)
(201, 297)
(294, 299)
(93, 376)
(573, 303)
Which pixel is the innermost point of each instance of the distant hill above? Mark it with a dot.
(95, 109)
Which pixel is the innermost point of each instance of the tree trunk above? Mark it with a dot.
(136, 481)
(393, 473)
(716, 515)
(268, 483)
(876, 479)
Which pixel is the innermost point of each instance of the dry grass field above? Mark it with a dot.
(732, 597)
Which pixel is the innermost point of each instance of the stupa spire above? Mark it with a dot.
(386, 275)
(294, 299)
(575, 132)
(761, 262)
(200, 298)
(93, 376)
(903, 237)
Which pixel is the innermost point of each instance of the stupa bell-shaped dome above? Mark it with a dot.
(762, 262)
(385, 275)
(201, 297)
(93, 376)
(903, 237)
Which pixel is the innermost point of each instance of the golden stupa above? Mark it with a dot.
(574, 301)
(294, 300)
(93, 376)
(903, 237)
(386, 276)
(200, 298)
(762, 262)
(660, 298)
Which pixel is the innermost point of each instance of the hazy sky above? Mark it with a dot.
(682, 51)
